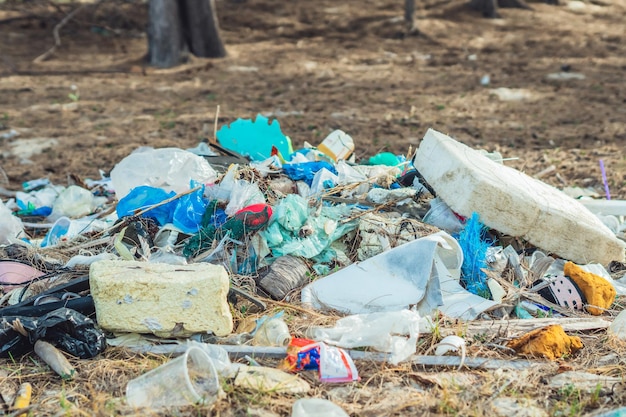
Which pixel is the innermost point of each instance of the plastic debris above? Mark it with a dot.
(264, 379)
(424, 272)
(333, 364)
(55, 359)
(254, 138)
(392, 332)
(271, 331)
(11, 228)
(65, 328)
(188, 379)
(176, 169)
(174, 248)
(599, 293)
(22, 398)
(337, 145)
(618, 326)
(474, 245)
(285, 274)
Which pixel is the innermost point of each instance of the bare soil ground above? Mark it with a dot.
(318, 66)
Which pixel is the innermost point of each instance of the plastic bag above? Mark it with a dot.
(10, 226)
(168, 168)
(189, 210)
(306, 171)
(243, 194)
(75, 201)
(292, 212)
(323, 180)
(144, 196)
(67, 329)
(394, 332)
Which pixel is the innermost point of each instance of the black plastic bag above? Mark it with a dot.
(65, 328)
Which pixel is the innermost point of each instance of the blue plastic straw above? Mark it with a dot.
(606, 183)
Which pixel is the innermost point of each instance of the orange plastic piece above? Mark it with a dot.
(549, 342)
(599, 293)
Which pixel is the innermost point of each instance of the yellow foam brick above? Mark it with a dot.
(166, 300)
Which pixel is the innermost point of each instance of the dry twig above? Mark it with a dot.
(57, 37)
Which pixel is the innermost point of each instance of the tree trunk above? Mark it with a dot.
(488, 8)
(176, 27)
(201, 28)
(409, 15)
(166, 45)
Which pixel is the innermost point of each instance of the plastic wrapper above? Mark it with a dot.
(394, 332)
(333, 364)
(65, 328)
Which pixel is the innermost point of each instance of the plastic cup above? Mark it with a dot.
(185, 380)
(442, 216)
(316, 407)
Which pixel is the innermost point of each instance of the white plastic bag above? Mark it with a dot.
(171, 169)
(243, 194)
(10, 226)
(394, 332)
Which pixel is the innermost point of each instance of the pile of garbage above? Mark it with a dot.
(172, 241)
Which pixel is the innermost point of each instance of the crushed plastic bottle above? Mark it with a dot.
(272, 331)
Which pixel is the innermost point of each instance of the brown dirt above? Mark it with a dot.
(323, 65)
(318, 66)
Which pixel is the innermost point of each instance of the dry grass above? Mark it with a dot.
(98, 389)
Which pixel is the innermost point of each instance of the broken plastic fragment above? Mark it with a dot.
(254, 138)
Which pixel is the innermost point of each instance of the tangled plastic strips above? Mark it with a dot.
(472, 241)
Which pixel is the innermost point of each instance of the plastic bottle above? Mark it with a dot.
(272, 332)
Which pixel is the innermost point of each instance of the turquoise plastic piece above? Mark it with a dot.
(254, 139)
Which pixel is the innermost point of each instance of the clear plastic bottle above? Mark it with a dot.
(272, 332)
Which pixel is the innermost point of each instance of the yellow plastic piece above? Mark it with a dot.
(22, 399)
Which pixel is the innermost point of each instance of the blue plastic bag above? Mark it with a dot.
(305, 171)
(189, 210)
(144, 196)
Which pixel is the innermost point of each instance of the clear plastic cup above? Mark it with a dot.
(442, 216)
(188, 379)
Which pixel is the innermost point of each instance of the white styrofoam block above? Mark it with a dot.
(513, 203)
(167, 300)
